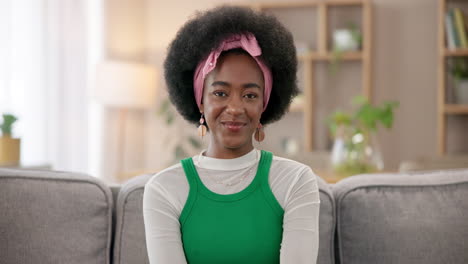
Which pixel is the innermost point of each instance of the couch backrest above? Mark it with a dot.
(403, 218)
(130, 244)
(54, 217)
(434, 163)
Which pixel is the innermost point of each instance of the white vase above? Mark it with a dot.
(355, 153)
(461, 91)
(343, 40)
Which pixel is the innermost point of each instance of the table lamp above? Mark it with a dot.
(124, 86)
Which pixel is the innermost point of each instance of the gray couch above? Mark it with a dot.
(60, 217)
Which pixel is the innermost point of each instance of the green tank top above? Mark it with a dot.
(244, 227)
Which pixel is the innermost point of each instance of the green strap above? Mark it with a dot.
(267, 192)
(264, 166)
(190, 174)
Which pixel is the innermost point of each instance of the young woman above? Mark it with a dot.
(231, 71)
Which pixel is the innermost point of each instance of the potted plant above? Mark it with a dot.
(355, 149)
(9, 146)
(459, 70)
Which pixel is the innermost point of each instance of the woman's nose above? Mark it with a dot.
(235, 106)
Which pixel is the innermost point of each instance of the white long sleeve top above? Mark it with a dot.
(293, 184)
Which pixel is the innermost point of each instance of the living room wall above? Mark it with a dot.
(404, 67)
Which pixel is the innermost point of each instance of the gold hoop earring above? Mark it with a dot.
(259, 133)
(202, 127)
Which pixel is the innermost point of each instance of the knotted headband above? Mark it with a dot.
(247, 42)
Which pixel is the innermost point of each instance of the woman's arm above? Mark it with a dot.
(301, 221)
(162, 228)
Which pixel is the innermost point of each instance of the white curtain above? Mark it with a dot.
(23, 84)
(43, 79)
(68, 79)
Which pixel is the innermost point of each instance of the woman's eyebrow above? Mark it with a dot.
(251, 85)
(220, 83)
(245, 86)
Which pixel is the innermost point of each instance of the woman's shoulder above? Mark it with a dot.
(169, 176)
(289, 164)
(293, 170)
(167, 190)
(289, 177)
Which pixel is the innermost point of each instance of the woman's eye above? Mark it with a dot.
(219, 93)
(251, 96)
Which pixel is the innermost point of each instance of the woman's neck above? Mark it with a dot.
(227, 153)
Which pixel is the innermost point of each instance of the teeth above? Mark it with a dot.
(233, 125)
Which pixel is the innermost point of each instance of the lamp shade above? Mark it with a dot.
(125, 84)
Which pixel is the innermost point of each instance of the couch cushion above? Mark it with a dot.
(54, 217)
(130, 243)
(403, 218)
(326, 253)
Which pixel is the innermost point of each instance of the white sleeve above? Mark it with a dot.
(162, 228)
(301, 220)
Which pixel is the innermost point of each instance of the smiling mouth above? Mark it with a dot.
(233, 126)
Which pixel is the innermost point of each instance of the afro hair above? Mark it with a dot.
(202, 34)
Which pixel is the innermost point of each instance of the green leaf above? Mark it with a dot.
(336, 119)
(387, 114)
(360, 100)
(7, 125)
(355, 32)
(367, 116)
(459, 67)
(337, 55)
(341, 117)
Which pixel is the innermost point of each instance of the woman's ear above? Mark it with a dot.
(202, 108)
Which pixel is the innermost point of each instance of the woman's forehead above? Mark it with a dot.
(237, 67)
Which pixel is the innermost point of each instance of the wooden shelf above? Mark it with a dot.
(296, 108)
(456, 53)
(297, 105)
(346, 2)
(329, 56)
(321, 51)
(456, 109)
(444, 109)
(302, 4)
(273, 5)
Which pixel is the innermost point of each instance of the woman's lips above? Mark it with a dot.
(233, 126)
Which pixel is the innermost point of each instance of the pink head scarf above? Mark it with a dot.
(247, 42)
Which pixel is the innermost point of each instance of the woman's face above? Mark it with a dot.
(233, 102)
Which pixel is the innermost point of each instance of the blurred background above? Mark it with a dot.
(84, 79)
